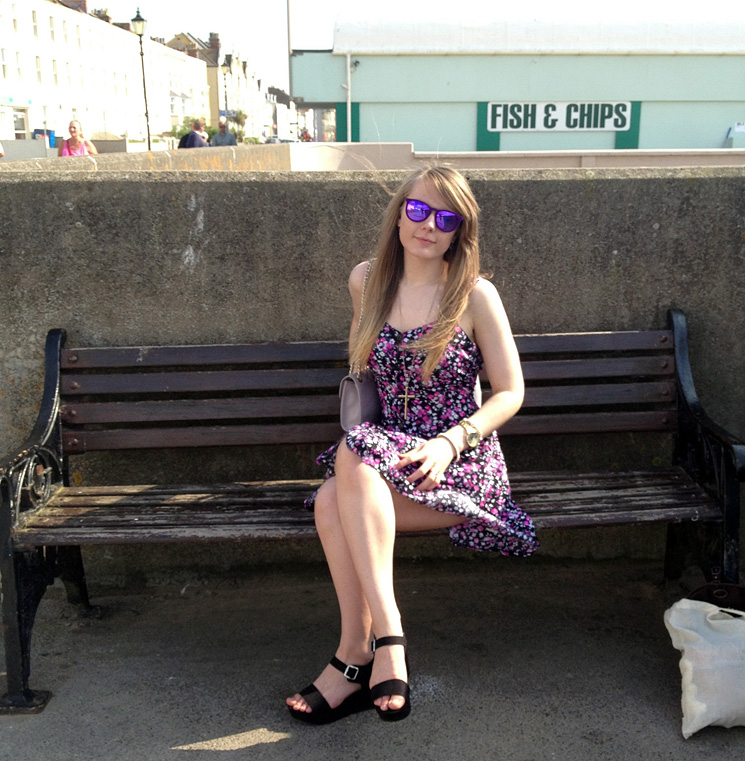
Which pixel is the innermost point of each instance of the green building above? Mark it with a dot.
(519, 84)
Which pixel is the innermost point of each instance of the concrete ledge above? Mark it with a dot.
(332, 157)
(274, 157)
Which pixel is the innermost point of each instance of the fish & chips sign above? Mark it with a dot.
(612, 116)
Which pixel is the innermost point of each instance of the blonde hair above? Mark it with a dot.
(463, 269)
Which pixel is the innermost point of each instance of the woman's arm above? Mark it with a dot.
(92, 150)
(356, 283)
(490, 328)
(61, 146)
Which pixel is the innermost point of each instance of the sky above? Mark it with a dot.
(256, 30)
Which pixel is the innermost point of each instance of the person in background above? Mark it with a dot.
(194, 138)
(76, 144)
(223, 137)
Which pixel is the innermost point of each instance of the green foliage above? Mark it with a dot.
(185, 126)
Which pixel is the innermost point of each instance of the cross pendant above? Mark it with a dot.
(406, 396)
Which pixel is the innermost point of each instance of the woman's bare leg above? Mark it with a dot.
(354, 644)
(357, 515)
(370, 512)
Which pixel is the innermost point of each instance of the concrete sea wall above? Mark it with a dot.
(132, 257)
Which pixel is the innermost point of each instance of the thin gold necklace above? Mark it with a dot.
(407, 376)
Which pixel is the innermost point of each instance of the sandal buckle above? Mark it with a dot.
(351, 673)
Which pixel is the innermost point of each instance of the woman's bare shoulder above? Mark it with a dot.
(484, 296)
(357, 278)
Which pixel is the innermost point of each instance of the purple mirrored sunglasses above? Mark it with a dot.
(446, 221)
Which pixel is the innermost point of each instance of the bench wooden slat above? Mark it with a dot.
(201, 382)
(662, 392)
(227, 354)
(526, 483)
(564, 343)
(599, 422)
(170, 410)
(606, 367)
(283, 489)
(77, 442)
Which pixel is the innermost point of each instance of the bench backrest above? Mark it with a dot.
(195, 396)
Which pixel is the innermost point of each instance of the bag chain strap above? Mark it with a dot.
(362, 306)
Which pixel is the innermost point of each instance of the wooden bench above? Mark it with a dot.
(156, 398)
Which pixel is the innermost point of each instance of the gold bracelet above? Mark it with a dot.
(456, 453)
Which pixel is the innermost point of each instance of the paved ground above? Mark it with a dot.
(527, 660)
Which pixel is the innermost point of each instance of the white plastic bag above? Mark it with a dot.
(712, 664)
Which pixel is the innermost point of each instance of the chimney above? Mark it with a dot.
(77, 5)
(214, 41)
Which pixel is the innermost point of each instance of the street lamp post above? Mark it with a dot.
(225, 69)
(139, 24)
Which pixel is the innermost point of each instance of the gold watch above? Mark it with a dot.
(473, 434)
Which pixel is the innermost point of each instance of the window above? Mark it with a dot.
(15, 20)
(78, 32)
(19, 123)
(64, 31)
(54, 71)
(18, 66)
(34, 22)
(2, 60)
(51, 28)
(69, 78)
(38, 69)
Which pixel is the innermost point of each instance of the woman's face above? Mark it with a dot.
(424, 239)
(74, 129)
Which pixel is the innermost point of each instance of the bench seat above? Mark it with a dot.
(272, 509)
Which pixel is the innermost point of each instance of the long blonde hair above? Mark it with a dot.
(463, 269)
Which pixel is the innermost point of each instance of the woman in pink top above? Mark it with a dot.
(77, 145)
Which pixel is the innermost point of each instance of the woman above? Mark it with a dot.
(428, 325)
(76, 145)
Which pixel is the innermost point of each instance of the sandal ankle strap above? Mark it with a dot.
(356, 674)
(386, 641)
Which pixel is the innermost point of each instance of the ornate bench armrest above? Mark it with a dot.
(28, 477)
(701, 443)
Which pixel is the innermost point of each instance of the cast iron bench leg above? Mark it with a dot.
(70, 569)
(25, 577)
(693, 543)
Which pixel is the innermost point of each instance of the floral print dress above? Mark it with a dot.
(476, 486)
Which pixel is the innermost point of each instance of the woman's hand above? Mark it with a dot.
(434, 456)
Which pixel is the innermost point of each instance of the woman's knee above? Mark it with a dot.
(326, 507)
(346, 459)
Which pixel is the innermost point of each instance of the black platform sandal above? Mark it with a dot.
(321, 712)
(392, 686)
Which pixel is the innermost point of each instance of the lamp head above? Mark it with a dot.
(139, 24)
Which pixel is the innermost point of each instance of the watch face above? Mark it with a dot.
(473, 439)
